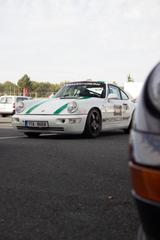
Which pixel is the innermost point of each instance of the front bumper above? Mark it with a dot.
(60, 124)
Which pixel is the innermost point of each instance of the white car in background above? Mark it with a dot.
(87, 107)
(8, 104)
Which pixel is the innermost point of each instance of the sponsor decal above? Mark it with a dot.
(117, 110)
(86, 84)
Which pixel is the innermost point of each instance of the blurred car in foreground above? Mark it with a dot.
(78, 107)
(145, 157)
(9, 103)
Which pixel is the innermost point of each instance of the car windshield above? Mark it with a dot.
(82, 89)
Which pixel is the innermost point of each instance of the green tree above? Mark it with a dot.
(129, 79)
(35, 86)
(10, 88)
(55, 87)
(42, 87)
(25, 82)
(1, 88)
(63, 83)
(115, 83)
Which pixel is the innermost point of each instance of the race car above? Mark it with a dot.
(86, 107)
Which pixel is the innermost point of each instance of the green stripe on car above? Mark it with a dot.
(65, 106)
(37, 105)
(57, 111)
(61, 109)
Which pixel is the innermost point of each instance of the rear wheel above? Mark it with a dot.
(93, 124)
(32, 134)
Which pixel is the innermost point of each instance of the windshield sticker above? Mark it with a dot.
(84, 84)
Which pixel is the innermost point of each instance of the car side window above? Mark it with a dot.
(107, 91)
(19, 100)
(115, 90)
(124, 96)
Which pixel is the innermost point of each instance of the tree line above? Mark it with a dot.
(35, 89)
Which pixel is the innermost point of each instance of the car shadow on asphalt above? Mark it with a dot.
(79, 136)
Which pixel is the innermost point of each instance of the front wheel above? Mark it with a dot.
(93, 124)
(32, 134)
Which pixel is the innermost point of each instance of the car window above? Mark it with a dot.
(19, 99)
(115, 90)
(9, 100)
(6, 100)
(124, 96)
(3, 99)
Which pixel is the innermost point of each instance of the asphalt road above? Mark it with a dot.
(65, 187)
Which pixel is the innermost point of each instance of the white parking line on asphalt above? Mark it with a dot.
(12, 137)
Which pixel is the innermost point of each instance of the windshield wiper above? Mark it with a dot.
(68, 97)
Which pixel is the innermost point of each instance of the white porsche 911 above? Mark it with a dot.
(78, 107)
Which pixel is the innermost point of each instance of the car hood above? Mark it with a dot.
(52, 106)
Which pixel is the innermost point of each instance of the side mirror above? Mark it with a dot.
(51, 96)
(112, 96)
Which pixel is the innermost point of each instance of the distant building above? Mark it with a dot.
(134, 88)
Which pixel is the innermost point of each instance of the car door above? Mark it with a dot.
(6, 105)
(126, 107)
(114, 110)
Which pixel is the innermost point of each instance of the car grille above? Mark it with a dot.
(59, 129)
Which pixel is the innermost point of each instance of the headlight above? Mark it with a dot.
(153, 88)
(72, 107)
(20, 107)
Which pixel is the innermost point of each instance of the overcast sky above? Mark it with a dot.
(58, 40)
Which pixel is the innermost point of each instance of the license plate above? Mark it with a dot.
(39, 124)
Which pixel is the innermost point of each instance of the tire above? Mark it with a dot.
(4, 115)
(127, 130)
(93, 124)
(32, 134)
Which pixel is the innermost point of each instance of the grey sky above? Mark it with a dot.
(58, 40)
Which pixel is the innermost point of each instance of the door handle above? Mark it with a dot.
(125, 104)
